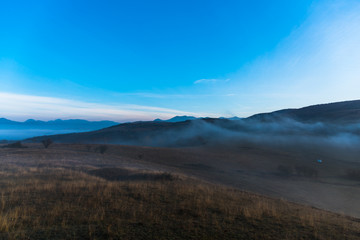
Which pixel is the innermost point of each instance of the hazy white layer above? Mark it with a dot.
(22, 107)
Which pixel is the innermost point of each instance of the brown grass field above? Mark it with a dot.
(70, 192)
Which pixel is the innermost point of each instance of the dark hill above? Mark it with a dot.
(340, 112)
(152, 133)
(177, 119)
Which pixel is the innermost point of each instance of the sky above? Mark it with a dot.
(141, 60)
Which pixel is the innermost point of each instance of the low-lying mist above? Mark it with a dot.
(324, 138)
(18, 134)
(320, 138)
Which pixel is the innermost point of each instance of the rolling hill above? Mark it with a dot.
(152, 133)
(340, 112)
(325, 120)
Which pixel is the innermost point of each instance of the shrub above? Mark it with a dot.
(88, 148)
(353, 174)
(285, 170)
(15, 145)
(306, 171)
(47, 142)
(101, 149)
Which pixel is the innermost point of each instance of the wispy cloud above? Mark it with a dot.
(318, 62)
(211, 80)
(173, 96)
(22, 107)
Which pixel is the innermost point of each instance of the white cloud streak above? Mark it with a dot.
(211, 80)
(21, 107)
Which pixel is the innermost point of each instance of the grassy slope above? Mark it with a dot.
(63, 193)
(57, 203)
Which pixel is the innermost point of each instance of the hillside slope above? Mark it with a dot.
(140, 133)
(340, 112)
(295, 124)
(67, 192)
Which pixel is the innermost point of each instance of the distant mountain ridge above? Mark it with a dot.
(186, 118)
(12, 130)
(176, 119)
(58, 123)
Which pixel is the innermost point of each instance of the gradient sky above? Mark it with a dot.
(140, 60)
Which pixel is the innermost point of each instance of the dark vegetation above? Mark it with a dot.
(47, 142)
(15, 145)
(306, 171)
(285, 170)
(353, 174)
(88, 148)
(120, 174)
(101, 149)
(300, 171)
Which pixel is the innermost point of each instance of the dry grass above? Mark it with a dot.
(58, 203)
(65, 193)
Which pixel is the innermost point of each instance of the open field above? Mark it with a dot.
(326, 185)
(71, 192)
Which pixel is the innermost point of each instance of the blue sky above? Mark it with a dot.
(140, 60)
